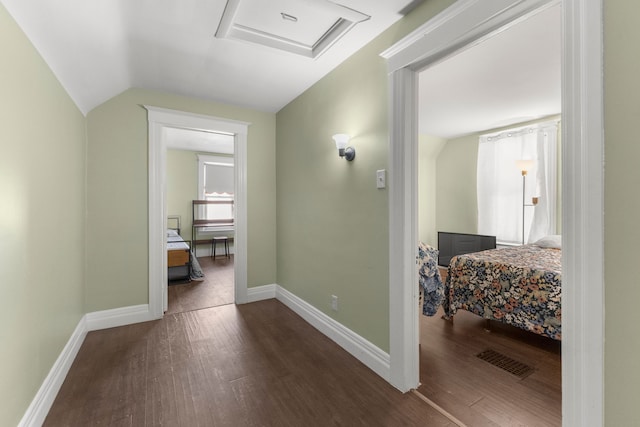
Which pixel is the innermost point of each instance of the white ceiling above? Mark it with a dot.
(512, 77)
(100, 48)
(197, 140)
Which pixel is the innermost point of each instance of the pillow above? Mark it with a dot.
(172, 233)
(553, 241)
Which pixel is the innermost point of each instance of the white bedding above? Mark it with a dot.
(175, 241)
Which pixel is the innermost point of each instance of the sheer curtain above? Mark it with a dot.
(499, 183)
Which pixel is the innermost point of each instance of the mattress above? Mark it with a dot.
(519, 285)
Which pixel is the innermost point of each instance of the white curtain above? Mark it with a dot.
(500, 184)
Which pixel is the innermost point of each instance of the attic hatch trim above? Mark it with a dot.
(229, 29)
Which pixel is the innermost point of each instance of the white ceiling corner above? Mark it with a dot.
(306, 28)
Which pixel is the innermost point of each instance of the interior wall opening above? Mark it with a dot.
(467, 22)
(199, 198)
(187, 131)
(481, 111)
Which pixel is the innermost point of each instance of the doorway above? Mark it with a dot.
(161, 121)
(206, 176)
(465, 23)
(503, 96)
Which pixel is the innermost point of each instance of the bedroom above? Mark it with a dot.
(199, 206)
(508, 89)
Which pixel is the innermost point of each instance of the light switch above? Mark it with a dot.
(381, 181)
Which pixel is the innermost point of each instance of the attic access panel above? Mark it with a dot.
(302, 27)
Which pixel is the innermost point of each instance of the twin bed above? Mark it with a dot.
(519, 285)
(178, 256)
(181, 262)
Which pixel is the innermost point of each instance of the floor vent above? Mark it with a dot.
(510, 365)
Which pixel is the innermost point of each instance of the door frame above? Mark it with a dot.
(159, 119)
(463, 24)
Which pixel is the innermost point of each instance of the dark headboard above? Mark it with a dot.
(452, 244)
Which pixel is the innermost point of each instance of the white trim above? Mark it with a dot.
(366, 352)
(583, 215)
(41, 403)
(372, 356)
(403, 229)
(160, 118)
(118, 317)
(465, 23)
(260, 293)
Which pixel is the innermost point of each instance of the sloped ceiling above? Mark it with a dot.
(512, 77)
(100, 48)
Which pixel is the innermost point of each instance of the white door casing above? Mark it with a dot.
(160, 118)
(464, 23)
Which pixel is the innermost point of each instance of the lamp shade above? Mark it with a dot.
(525, 165)
(341, 139)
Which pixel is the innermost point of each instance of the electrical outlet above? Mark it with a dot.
(334, 303)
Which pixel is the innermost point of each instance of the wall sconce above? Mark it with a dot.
(342, 140)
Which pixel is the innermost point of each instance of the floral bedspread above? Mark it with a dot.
(520, 286)
(431, 286)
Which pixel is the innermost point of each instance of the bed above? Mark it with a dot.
(178, 256)
(519, 285)
(181, 262)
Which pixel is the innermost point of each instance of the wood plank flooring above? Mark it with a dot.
(216, 289)
(478, 393)
(252, 365)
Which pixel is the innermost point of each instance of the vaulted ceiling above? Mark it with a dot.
(512, 77)
(262, 54)
(254, 53)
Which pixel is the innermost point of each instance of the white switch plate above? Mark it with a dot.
(334, 303)
(381, 180)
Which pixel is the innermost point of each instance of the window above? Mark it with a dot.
(216, 182)
(502, 212)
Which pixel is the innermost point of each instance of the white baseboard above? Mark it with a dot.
(363, 350)
(259, 293)
(41, 403)
(372, 356)
(118, 317)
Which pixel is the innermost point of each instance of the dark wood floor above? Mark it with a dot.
(216, 289)
(252, 365)
(480, 394)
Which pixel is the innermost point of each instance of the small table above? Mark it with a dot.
(217, 239)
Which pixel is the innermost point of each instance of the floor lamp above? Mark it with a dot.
(525, 166)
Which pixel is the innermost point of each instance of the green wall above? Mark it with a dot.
(182, 189)
(117, 206)
(428, 151)
(182, 186)
(42, 148)
(457, 180)
(333, 234)
(622, 210)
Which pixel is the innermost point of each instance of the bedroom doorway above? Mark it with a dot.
(465, 23)
(207, 176)
(503, 368)
(161, 123)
